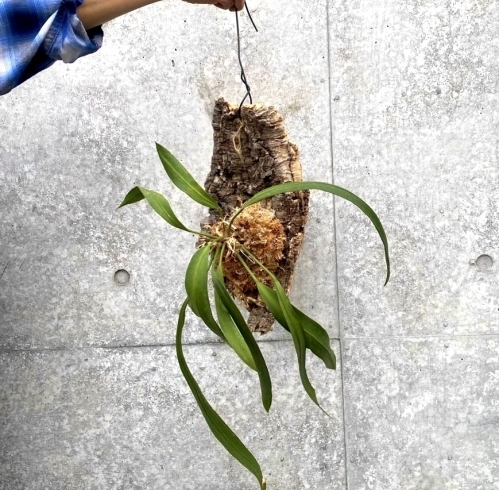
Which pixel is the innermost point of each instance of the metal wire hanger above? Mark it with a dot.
(243, 74)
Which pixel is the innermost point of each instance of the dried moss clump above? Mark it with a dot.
(258, 230)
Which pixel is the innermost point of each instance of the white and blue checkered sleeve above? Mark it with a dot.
(67, 39)
(36, 33)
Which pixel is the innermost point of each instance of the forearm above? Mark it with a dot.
(93, 13)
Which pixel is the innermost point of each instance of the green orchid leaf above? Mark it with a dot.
(218, 427)
(298, 336)
(182, 179)
(158, 202)
(333, 189)
(232, 334)
(196, 285)
(316, 337)
(263, 372)
(135, 195)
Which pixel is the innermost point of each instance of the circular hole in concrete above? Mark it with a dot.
(121, 277)
(484, 262)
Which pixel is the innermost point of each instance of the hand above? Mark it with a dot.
(231, 5)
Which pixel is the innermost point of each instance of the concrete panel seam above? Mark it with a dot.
(337, 282)
(421, 337)
(136, 346)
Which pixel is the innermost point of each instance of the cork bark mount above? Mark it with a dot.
(251, 153)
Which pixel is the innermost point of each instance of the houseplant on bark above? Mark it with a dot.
(247, 248)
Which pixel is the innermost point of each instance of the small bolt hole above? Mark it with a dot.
(484, 262)
(121, 277)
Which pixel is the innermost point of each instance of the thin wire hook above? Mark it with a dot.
(243, 74)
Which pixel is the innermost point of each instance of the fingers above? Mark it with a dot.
(231, 5)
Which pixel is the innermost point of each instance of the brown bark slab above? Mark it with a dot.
(251, 153)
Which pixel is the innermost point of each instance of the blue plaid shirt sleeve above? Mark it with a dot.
(36, 33)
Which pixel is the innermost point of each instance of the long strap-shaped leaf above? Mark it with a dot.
(158, 202)
(290, 318)
(196, 285)
(218, 427)
(263, 372)
(316, 337)
(298, 336)
(333, 189)
(232, 334)
(181, 178)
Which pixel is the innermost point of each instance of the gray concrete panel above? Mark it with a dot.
(75, 139)
(415, 133)
(413, 95)
(422, 413)
(109, 419)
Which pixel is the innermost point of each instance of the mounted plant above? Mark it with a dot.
(247, 249)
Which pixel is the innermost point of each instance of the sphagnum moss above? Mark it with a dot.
(257, 230)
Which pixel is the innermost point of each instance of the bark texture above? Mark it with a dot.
(251, 153)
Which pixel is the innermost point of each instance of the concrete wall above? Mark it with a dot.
(395, 100)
